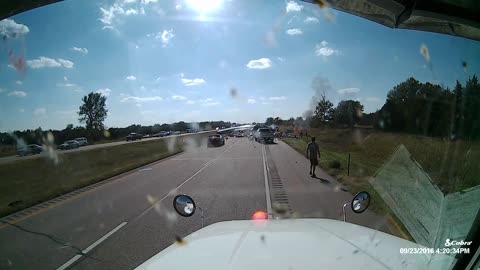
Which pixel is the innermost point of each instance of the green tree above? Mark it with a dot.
(348, 112)
(93, 111)
(472, 111)
(269, 121)
(324, 110)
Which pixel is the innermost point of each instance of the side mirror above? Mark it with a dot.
(360, 202)
(184, 205)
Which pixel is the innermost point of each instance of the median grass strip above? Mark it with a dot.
(27, 182)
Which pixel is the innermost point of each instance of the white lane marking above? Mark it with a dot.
(92, 246)
(184, 182)
(145, 169)
(267, 186)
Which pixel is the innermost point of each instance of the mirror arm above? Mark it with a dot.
(201, 215)
(344, 212)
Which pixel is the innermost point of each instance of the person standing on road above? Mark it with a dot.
(313, 153)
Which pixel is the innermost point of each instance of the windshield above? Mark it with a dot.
(351, 106)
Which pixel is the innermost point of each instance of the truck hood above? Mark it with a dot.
(292, 244)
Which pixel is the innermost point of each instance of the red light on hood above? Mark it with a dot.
(260, 215)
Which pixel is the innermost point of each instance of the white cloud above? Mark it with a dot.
(2, 90)
(266, 103)
(190, 102)
(167, 35)
(43, 62)
(21, 110)
(251, 101)
(66, 85)
(65, 78)
(141, 99)
(261, 63)
(373, 99)
(19, 82)
(108, 27)
(17, 94)
(278, 98)
(293, 6)
(324, 50)
(73, 86)
(109, 14)
(131, 78)
(65, 63)
(104, 91)
(131, 11)
(178, 7)
(294, 31)
(149, 1)
(205, 100)
(40, 112)
(281, 59)
(311, 20)
(11, 66)
(178, 97)
(164, 36)
(348, 91)
(80, 50)
(192, 82)
(11, 29)
(211, 104)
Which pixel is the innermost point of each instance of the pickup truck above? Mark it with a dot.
(264, 134)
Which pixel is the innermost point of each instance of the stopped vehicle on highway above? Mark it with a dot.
(264, 135)
(71, 144)
(29, 149)
(134, 136)
(395, 109)
(215, 140)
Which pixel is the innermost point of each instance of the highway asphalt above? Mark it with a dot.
(120, 224)
(92, 146)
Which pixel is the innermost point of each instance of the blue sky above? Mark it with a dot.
(166, 61)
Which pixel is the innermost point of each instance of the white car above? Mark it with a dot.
(82, 141)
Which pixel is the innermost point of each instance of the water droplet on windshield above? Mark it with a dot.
(424, 52)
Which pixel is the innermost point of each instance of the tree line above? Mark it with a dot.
(411, 107)
(92, 113)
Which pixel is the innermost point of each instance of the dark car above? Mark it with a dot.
(30, 149)
(216, 140)
(71, 144)
(134, 136)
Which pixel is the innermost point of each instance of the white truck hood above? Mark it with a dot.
(292, 244)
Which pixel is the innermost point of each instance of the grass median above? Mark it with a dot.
(27, 182)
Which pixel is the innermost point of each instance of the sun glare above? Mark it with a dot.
(205, 6)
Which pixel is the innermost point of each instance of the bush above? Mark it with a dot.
(335, 164)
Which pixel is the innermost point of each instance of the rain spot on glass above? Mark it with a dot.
(233, 92)
(321, 3)
(355, 251)
(48, 144)
(106, 134)
(179, 240)
(262, 238)
(424, 52)
(464, 65)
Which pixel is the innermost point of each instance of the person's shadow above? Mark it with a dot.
(325, 181)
